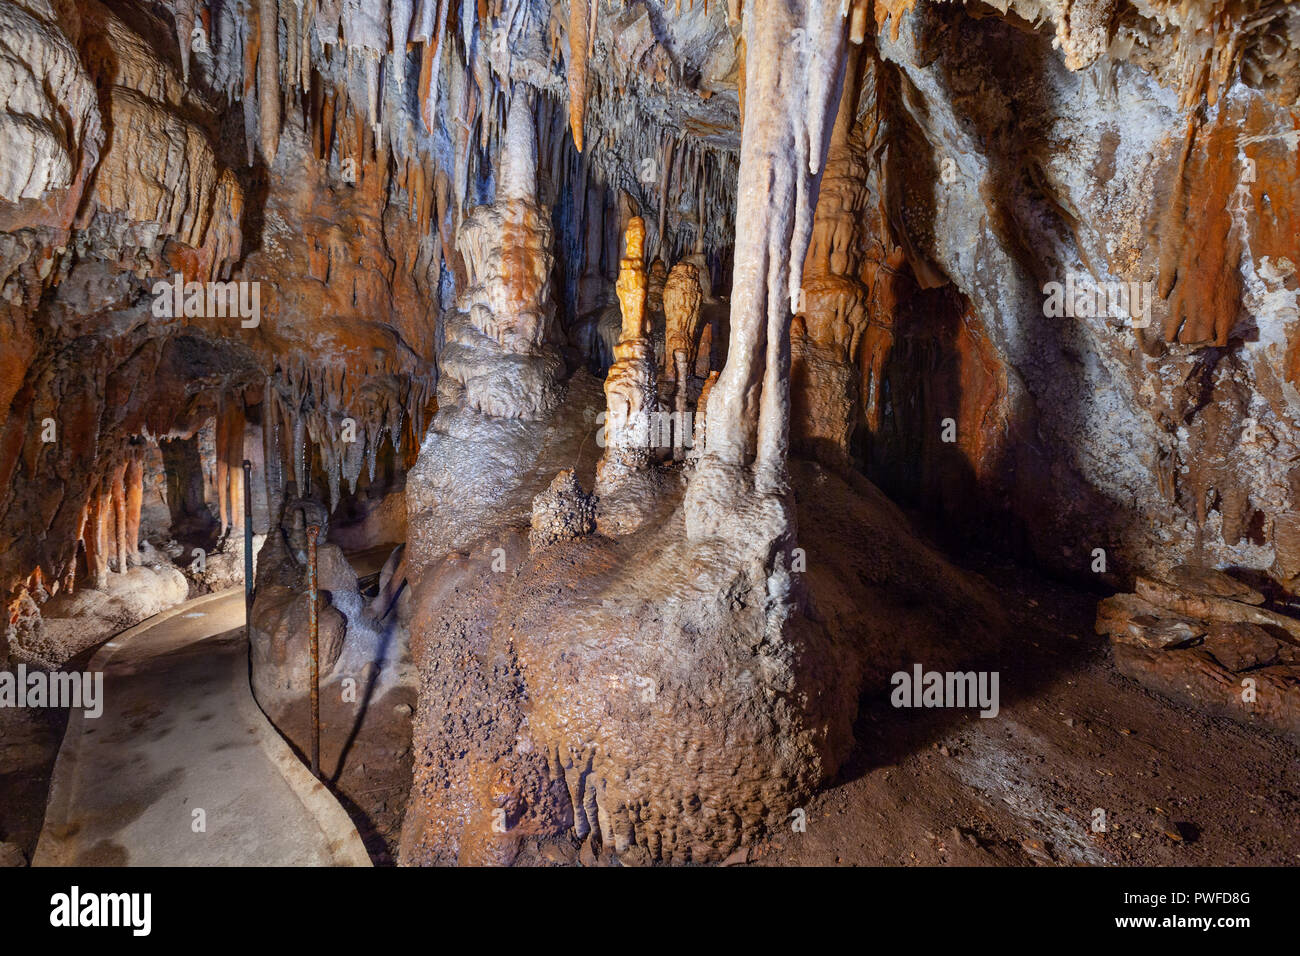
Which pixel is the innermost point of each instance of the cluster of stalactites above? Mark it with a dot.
(688, 183)
(343, 414)
(346, 69)
(110, 522)
(348, 66)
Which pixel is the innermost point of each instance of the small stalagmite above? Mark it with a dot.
(682, 300)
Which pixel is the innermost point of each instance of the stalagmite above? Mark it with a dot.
(701, 417)
(834, 316)
(655, 280)
(631, 395)
(681, 300)
(498, 357)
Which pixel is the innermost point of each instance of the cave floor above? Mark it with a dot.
(181, 769)
(1074, 736)
(365, 745)
(923, 787)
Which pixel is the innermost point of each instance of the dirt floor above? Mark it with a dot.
(373, 740)
(936, 787)
(1081, 766)
(923, 787)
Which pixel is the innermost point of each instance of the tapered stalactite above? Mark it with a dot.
(577, 68)
(268, 78)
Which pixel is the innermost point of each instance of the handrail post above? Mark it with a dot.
(312, 625)
(248, 548)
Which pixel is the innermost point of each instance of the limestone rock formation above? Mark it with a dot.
(631, 395)
(1205, 636)
(563, 512)
(399, 270)
(682, 299)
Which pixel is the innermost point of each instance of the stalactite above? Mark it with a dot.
(577, 68)
(431, 64)
(268, 78)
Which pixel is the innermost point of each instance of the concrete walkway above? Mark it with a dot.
(181, 733)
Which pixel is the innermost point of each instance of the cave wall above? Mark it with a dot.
(1024, 160)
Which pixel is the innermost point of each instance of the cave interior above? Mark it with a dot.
(767, 431)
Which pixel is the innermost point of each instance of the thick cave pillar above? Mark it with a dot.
(500, 366)
(794, 71)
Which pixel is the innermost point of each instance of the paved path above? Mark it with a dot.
(181, 733)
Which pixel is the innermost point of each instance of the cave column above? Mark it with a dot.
(184, 470)
(631, 394)
(230, 457)
(94, 538)
(794, 70)
(825, 335)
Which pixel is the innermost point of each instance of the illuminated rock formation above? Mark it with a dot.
(681, 300)
(631, 393)
(1030, 269)
(785, 145)
(832, 317)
